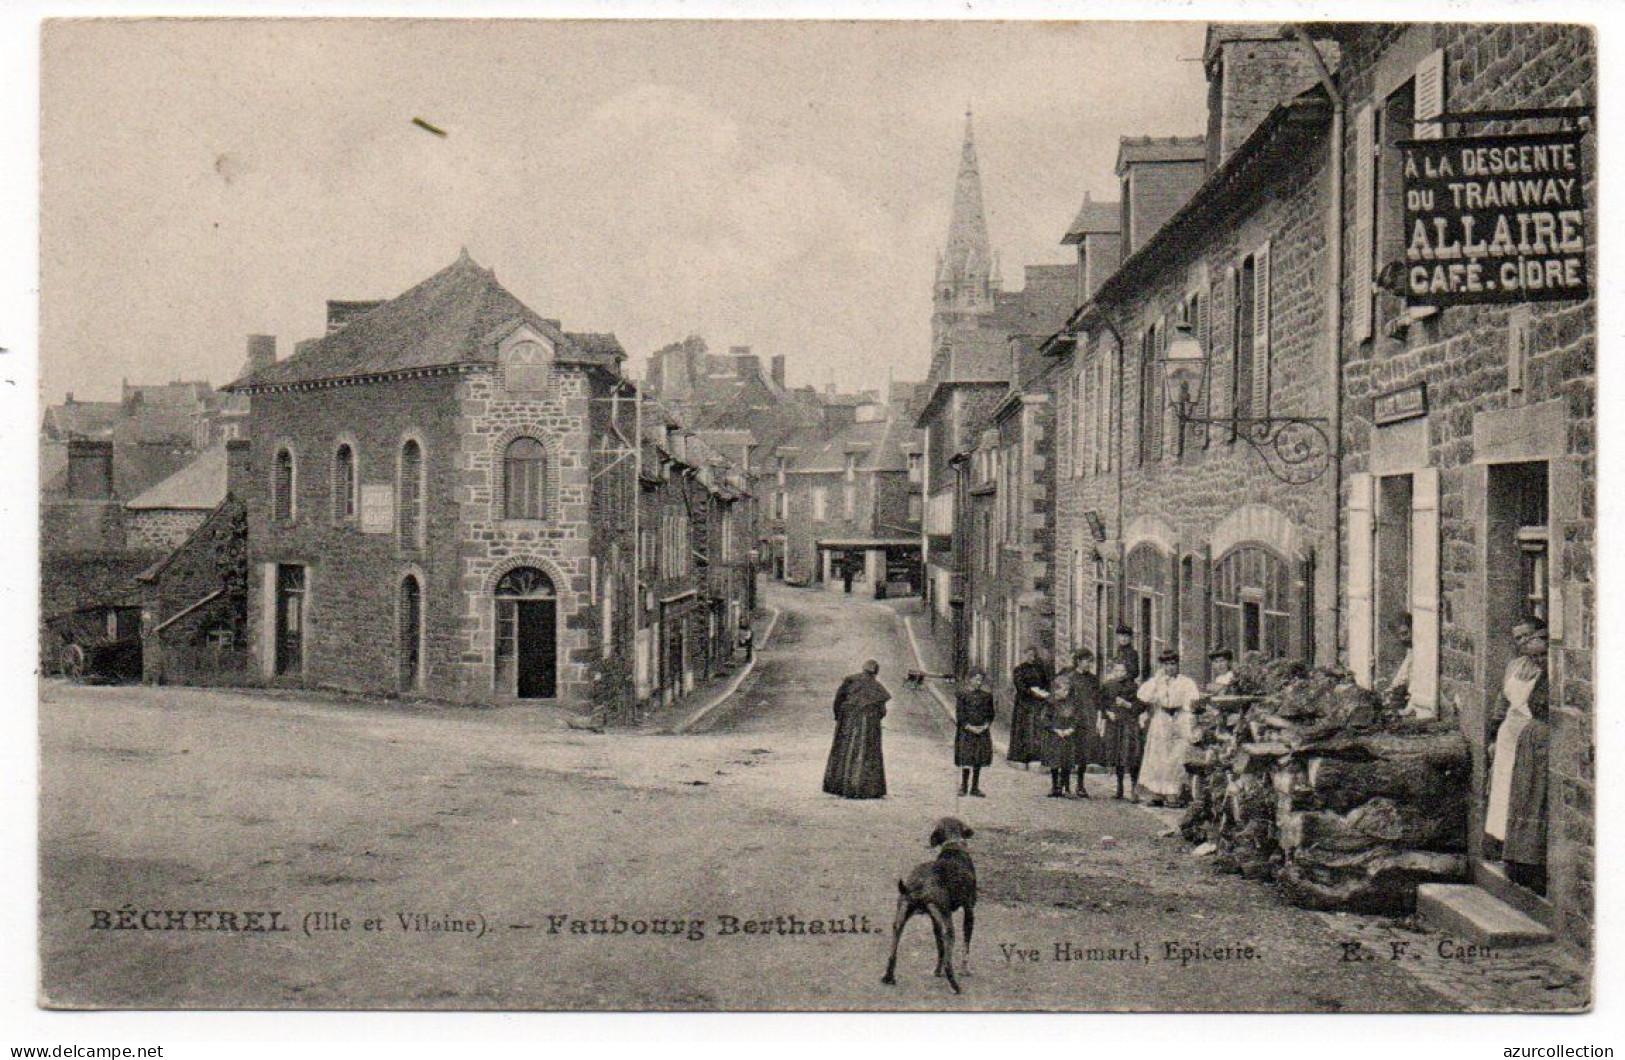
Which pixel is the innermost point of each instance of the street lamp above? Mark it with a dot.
(1295, 449)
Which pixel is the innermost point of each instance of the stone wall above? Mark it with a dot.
(161, 528)
(209, 644)
(353, 579)
(489, 545)
(1504, 383)
(1192, 494)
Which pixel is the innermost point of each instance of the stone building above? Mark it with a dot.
(1470, 430)
(1191, 538)
(194, 619)
(1007, 491)
(848, 507)
(443, 503)
(166, 514)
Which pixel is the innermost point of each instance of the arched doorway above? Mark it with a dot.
(411, 632)
(527, 664)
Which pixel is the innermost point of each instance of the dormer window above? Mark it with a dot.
(527, 365)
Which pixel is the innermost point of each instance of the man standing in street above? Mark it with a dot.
(857, 767)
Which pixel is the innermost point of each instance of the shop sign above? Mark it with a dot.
(1406, 403)
(1495, 219)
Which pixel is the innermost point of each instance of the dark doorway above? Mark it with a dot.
(538, 660)
(527, 655)
(290, 619)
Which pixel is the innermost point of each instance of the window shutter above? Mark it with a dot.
(1430, 95)
(1424, 686)
(1202, 327)
(1261, 330)
(1365, 220)
(1361, 576)
(1219, 389)
(1159, 403)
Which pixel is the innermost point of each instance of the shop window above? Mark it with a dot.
(1252, 602)
(1146, 580)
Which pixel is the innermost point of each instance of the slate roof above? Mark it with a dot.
(879, 445)
(1095, 217)
(82, 419)
(200, 485)
(454, 317)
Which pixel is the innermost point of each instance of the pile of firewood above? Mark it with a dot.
(1301, 777)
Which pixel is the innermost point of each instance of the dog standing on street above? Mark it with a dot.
(938, 888)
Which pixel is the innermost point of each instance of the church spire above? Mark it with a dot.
(966, 272)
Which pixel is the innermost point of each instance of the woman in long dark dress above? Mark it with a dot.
(1031, 680)
(1087, 700)
(973, 733)
(857, 766)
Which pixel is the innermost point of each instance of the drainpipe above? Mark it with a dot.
(1334, 328)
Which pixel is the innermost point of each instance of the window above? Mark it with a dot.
(343, 484)
(1252, 611)
(528, 366)
(916, 507)
(916, 467)
(524, 480)
(849, 502)
(820, 503)
(410, 492)
(283, 479)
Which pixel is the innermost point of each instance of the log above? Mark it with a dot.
(1384, 883)
(1257, 757)
(1343, 785)
(1435, 746)
(1380, 822)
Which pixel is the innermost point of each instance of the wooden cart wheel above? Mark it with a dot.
(73, 661)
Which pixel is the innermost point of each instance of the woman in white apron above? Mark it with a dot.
(1169, 697)
(1524, 673)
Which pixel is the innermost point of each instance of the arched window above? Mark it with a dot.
(343, 483)
(282, 486)
(1146, 579)
(411, 633)
(410, 492)
(1252, 609)
(524, 479)
(527, 366)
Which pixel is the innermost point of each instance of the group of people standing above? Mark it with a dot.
(1067, 721)
(1087, 714)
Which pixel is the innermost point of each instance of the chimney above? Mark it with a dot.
(237, 468)
(70, 397)
(1250, 69)
(1158, 175)
(341, 313)
(778, 369)
(261, 352)
(90, 470)
(746, 365)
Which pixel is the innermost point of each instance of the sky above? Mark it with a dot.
(779, 185)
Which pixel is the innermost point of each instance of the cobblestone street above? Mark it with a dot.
(184, 800)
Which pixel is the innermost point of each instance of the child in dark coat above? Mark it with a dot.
(973, 733)
(1058, 728)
